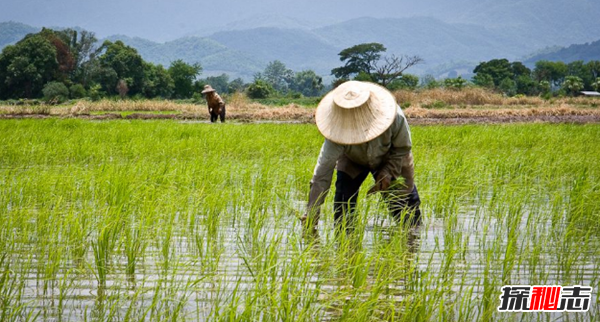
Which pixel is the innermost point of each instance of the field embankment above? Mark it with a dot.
(436, 106)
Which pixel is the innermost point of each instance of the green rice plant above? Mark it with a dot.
(103, 248)
(205, 219)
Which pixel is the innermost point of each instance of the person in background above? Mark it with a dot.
(365, 133)
(216, 105)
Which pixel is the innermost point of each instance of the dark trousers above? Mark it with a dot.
(403, 207)
(214, 116)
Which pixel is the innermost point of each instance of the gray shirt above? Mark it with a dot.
(384, 153)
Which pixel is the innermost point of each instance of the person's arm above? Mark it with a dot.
(321, 180)
(401, 146)
(209, 103)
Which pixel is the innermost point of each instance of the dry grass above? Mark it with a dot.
(434, 103)
(481, 97)
(561, 110)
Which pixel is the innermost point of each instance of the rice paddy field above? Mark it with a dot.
(132, 220)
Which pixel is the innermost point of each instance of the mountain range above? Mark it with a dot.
(451, 37)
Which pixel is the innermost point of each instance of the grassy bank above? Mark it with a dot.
(435, 103)
(161, 220)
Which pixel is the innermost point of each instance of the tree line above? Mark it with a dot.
(60, 64)
(547, 78)
(365, 62)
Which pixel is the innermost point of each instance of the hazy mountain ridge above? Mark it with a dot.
(585, 52)
(435, 41)
(545, 22)
(11, 32)
(442, 44)
(212, 55)
(299, 49)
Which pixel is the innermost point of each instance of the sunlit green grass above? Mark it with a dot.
(160, 220)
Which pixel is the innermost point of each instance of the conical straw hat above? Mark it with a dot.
(355, 112)
(208, 89)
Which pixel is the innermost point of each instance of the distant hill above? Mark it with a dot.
(540, 22)
(585, 52)
(435, 41)
(298, 49)
(11, 32)
(448, 47)
(256, 21)
(214, 57)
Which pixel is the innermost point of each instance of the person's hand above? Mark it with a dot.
(382, 183)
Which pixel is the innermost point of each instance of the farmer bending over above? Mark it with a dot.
(365, 132)
(216, 106)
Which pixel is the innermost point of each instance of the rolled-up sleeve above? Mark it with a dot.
(401, 146)
(321, 180)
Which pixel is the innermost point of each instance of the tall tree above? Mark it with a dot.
(157, 81)
(358, 58)
(553, 72)
(183, 75)
(572, 85)
(580, 69)
(497, 69)
(594, 68)
(308, 83)
(125, 62)
(392, 68)
(278, 75)
(83, 46)
(26, 66)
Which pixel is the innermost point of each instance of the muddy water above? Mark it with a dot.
(455, 259)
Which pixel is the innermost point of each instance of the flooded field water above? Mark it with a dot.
(155, 221)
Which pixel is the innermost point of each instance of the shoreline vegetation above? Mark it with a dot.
(432, 106)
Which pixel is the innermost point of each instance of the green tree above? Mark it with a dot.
(429, 82)
(55, 92)
(157, 81)
(77, 91)
(545, 87)
(183, 75)
(497, 69)
(594, 67)
(553, 72)
(580, 69)
(126, 63)
(364, 77)
(525, 85)
(508, 87)
(359, 58)
(83, 47)
(455, 83)
(518, 69)
(259, 89)
(308, 83)
(407, 81)
(27, 66)
(236, 85)
(572, 85)
(278, 75)
(483, 80)
(596, 84)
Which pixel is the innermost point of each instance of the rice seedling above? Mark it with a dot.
(162, 220)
